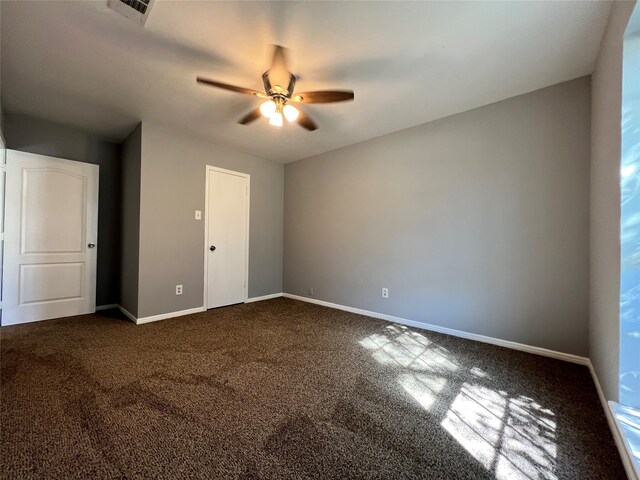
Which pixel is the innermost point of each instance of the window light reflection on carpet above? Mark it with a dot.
(512, 436)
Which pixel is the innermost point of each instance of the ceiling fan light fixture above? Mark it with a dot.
(268, 108)
(276, 119)
(290, 113)
(276, 97)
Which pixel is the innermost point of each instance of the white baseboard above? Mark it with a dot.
(449, 331)
(164, 316)
(622, 415)
(617, 437)
(107, 307)
(264, 297)
(128, 314)
(153, 318)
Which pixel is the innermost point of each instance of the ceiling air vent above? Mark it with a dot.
(136, 10)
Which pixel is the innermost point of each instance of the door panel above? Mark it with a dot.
(227, 224)
(52, 211)
(51, 281)
(51, 217)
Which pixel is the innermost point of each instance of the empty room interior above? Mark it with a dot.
(320, 240)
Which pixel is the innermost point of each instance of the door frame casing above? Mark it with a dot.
(207, 190)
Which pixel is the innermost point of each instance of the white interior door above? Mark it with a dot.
(227, 237)
(51, 228)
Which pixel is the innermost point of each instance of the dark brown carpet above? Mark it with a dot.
(283, 389)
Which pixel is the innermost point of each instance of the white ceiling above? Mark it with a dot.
(82, 64)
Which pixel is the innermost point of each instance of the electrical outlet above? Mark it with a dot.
(310, 291)
(178, 289)
(198, 215)
(385, 292)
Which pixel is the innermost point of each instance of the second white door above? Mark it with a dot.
(227, 237)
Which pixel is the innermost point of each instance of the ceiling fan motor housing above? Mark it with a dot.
(275, 91)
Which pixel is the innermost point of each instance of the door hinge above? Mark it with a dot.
(1, 236)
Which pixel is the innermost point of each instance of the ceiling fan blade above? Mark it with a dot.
(305, 121)
(325, 96)
(252, 116)
(226, 86)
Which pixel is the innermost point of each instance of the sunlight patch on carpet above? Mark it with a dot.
(510, 437)
(424, 388)
(402, 347)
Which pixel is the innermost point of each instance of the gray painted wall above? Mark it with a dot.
(48, 138)
(477, 222)
(604, 338)
(172, 241)
(130, 221)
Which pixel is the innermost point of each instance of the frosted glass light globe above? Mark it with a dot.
(291, 113)
(268, 108)
(276, 119)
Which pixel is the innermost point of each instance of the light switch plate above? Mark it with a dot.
(198, 215)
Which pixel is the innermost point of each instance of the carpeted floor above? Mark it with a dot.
(284, 389)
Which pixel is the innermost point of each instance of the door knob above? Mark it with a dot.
(91, 245)
(212, 248)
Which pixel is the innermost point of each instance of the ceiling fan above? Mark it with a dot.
(279, 84)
